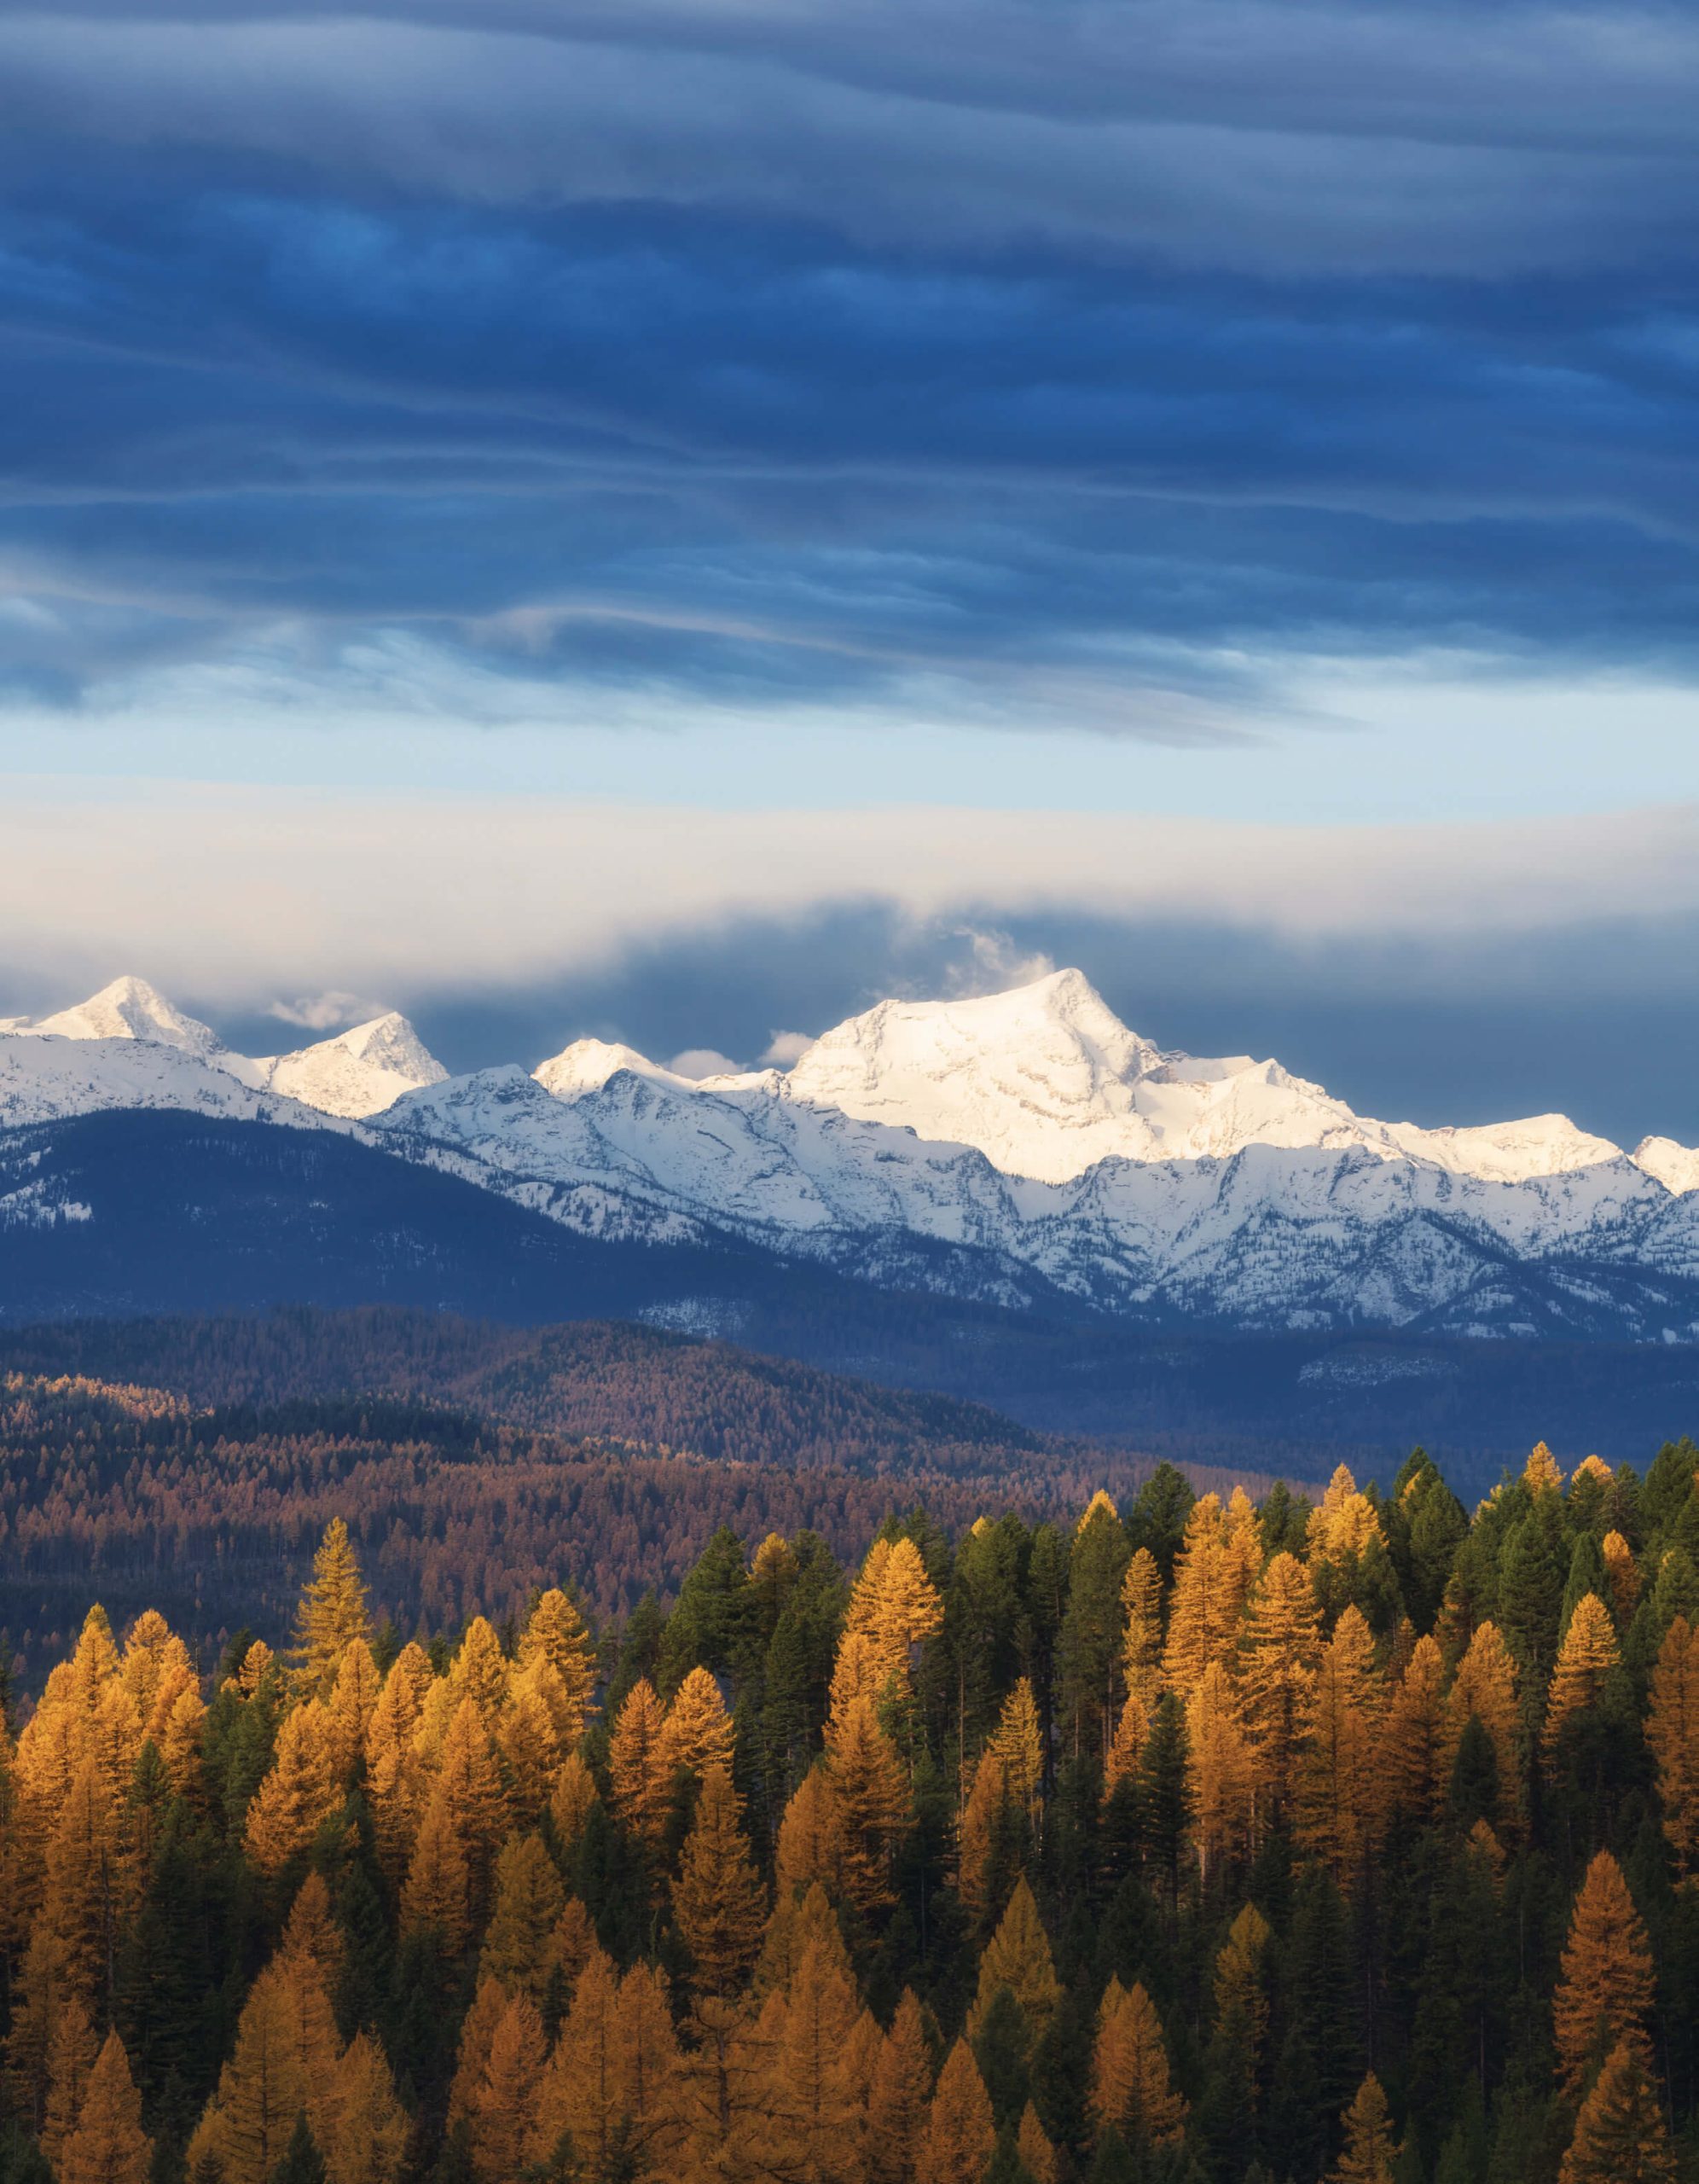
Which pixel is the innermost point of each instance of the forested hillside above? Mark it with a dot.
(473, 1463)
(1181, 1841)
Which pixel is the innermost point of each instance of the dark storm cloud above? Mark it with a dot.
(777, 352)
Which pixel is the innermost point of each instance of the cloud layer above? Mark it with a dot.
(990, 362)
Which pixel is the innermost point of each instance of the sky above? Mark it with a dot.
(675, 519)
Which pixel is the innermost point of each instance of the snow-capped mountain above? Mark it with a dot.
(1046, 1081)
(120, 1039)
(360, 1071)
(1017, 1147)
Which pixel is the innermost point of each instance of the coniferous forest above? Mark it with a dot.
(1212, 1842)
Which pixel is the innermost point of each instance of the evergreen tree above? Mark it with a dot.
(302, 2162)
(1088, 1649)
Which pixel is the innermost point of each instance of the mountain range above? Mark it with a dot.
(1022, 1150)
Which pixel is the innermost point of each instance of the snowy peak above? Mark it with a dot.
(1046, 1081)
(361, 1071)
(587, 1063)
(1675, 1166)
(129, 1009)
(358, 1073)
(1040, 1079)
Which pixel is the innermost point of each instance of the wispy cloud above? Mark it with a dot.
(324, 1011)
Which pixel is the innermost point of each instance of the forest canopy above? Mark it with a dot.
(1187, 1839)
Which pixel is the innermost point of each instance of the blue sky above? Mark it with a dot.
(1268, 429)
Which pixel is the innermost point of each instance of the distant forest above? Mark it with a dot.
(473, 1463)
(1180, 1841)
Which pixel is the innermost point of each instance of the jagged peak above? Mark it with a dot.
(586, 1065)
(355, 1073)
(129, 1007)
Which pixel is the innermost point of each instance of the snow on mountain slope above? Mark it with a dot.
(587, 1065)
(1046, 1081)
(355, 1073)
(358, 1073)
(1012, 1147)
(1271, 1236)
(129, 1008)
(45, 1078)
(1676, 1166)
(1507, 1152)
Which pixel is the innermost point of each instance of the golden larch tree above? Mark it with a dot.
(1141, 1658)
(1620, 2134)
(299, 1793)
(519, 1950)
(395, 1774)
(1131, 2089)
(1622, 1575)
(895, 1606)
(1219, 1769)
(807, 1849)
(1240, 1992)
(870, 1801)
(1415, 1751)
(719, 1902)
(1584, 1661)
(976, 1822)
(1606, 1990)
(1339, 1785)
(368, 2141)
(899, 2097)
(1342, 1523)
(1038, 2156)
(960, 2133)
(331, 1613)
(1673, 1733)
(1017, 1748)
(437, 1893)
(1203, 1620)
(814, 2096)
(554, 1632)
(697, 1732)
(527, 1739)
(353, 1701)
(1370, 2154)
(1542, 1474)
(650, 2086)
(1485, 1688)
(797, 1922)
(480, 1670)
(499, 2107)
(1018, 1957)
(284, 2063)
(638, 1775)
(108, 2145)
(71, 2049)
(571, 1795)
(490, 2003)
(1126, 1748)
(581, 2088)
(1282, 1650)
(469, 1781)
